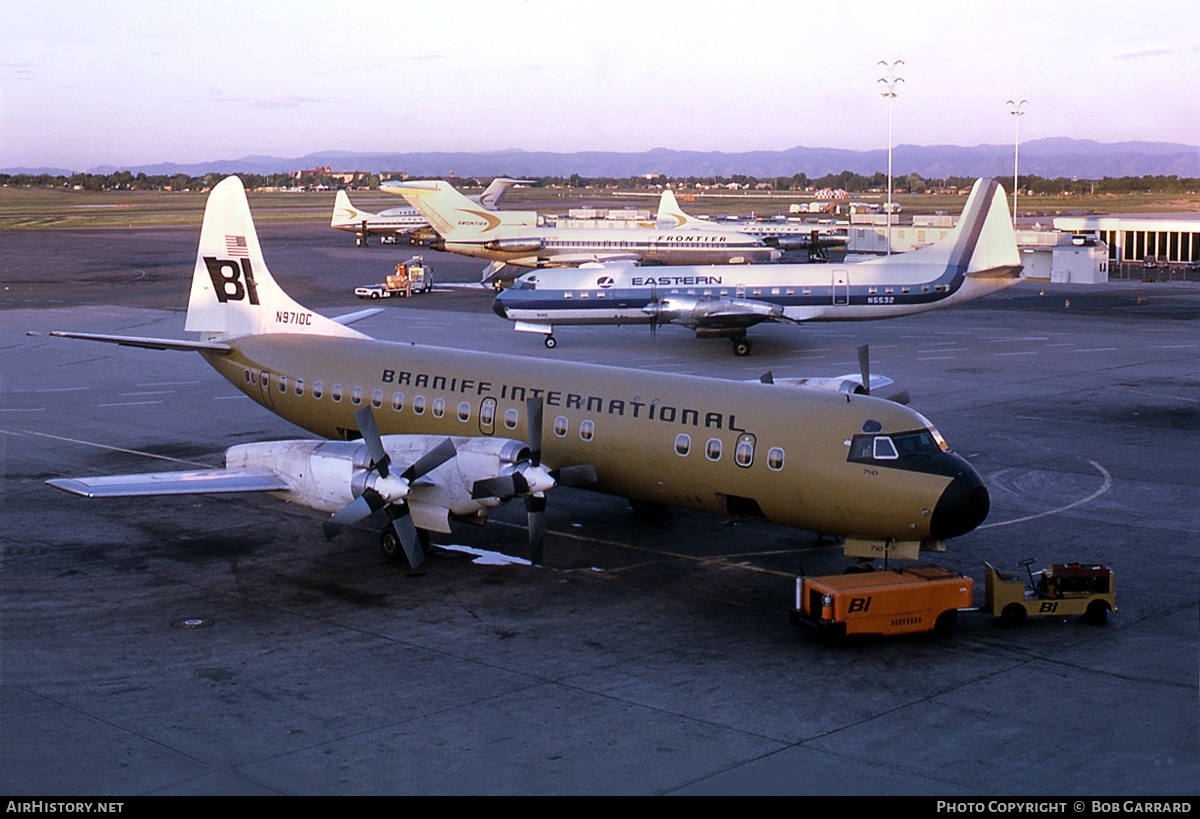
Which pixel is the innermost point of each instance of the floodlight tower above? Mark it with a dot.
(889, 84)
(1014, 108)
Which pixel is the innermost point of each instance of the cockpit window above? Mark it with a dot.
(915, 443)
(868, 448)
(525, 283)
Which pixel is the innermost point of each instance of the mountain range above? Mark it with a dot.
(1053, 157)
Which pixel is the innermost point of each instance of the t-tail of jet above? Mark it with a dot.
(233, 292)
(452, 215)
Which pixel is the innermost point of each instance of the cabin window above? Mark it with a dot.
(743, 451)
(464, 412)
(283, 383)
(683, 444)
(587, 430)
(356, 396)
(377, 399)
(299, 386)
(419, 405)
(487, 412)
(712, 450)
(775, 459)
(439, 407)
(397, 401)
(335, 392)
(318, 389)
(560, 426)
(246, 377)
(266, 379)
(510, 418)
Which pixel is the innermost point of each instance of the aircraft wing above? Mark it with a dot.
(196, 482)
(579, 259)
(698, 312)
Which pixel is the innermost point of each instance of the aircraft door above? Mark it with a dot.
(264, 384)
(487, 416)
(841, 287)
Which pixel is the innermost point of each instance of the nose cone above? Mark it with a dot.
(498, 307)
(963, 506)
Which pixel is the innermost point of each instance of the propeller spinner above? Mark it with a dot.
(388, 491)
(530, 481)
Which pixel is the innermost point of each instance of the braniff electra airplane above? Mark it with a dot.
(403, 221)
(426, 435)
(979, 256)
(516, 237)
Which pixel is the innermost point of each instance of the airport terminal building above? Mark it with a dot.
(1076, 250)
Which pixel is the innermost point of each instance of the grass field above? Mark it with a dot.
(41, 208)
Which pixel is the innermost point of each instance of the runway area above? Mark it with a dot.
(219, 645)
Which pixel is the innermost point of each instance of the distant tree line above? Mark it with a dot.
(846, 180)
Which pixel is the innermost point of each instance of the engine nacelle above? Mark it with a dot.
(846, 384)
(516, 245)
(327, 475)
(689, 311)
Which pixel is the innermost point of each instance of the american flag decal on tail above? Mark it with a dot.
(235, 246)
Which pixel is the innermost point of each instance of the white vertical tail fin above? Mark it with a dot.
(670, 215)
(981, 244)
(233, 293)
(345, 214)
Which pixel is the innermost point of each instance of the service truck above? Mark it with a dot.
(892, 601)
(412, 276)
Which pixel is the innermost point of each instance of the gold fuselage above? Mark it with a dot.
(635, 418)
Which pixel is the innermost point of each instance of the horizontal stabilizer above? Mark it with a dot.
(196, 482)
(148, 343)
(350, 318)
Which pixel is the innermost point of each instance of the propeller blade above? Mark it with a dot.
(535, 508)
(402, 523)
(576, 475)
(358, 509)
(500, 487)
(370, 433)
(534, 409)
(864, 366)
(431, 460)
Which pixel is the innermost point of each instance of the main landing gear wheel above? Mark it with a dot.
(390, 545)
(551, 342)
(742, 346)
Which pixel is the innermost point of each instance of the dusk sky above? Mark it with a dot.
(126, 82)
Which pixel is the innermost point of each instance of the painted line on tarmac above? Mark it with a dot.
(102, 446)
(1107, 485)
